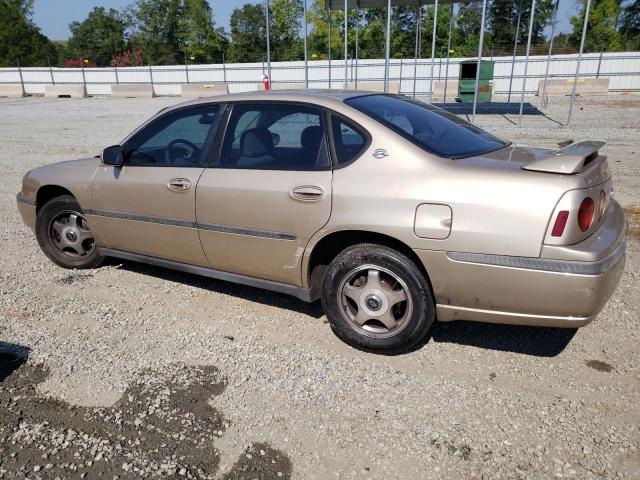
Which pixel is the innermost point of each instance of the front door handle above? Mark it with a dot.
(307, 193)
(179, 184)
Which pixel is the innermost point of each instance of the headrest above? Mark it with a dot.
(256, 142)
(311, 137)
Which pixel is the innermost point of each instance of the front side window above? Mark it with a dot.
(173, 140)
(431, 128)
(275, 136)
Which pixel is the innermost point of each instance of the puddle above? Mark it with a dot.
(162, 426)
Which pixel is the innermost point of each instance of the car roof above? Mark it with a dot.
(324, 97)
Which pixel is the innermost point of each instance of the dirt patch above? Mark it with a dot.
(600, 366)
(633, 218)
(163, 426)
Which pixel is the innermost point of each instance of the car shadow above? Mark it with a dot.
(534, 341)
(253, 294)
(12, 357)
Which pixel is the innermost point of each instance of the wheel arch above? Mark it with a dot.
(329, 246)
(49, 192)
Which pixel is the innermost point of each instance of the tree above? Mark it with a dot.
(286, 19)
(503, 18)
(20, 38)
(318, 41)
(154, 29)
(630, 25)
(99, 37)
(601, 27)
(248, 34)
(199, 40)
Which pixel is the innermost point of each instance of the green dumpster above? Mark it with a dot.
(467, 81)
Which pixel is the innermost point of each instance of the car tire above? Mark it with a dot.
(64, 235)
(376, 299)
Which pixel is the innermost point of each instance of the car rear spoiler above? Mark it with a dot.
(568, 160)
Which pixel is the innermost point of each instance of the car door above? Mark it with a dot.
(267, 191)
(147, 205)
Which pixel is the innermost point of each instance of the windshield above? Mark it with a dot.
(431, 128)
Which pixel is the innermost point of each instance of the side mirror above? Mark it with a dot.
(113, 155)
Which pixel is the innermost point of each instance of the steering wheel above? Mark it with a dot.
(191, 150)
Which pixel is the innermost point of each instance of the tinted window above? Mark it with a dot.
(430, 127)
(274, 136)
(348, 140)
(173, 140)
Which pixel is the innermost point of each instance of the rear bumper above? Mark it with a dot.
(527, 291)
(27, 209)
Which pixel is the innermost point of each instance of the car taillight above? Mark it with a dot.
(561, 222)
(601, 204)
(585, 214)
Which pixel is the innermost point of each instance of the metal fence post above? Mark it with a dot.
(53, 82)
(346, 37)
(24, 92)
(515, 48)
(446, 73)
(387, 50)
(84, 79)
(357, 34)
(433, 48)
(115, 70)
(575, 78)
(481, 42)
(553, 32)
(151, 77)
(268, 43)
(599, 64)
(186, 67)
(329, 44)
(417, 51)
(526, 61)
(306, 61)
(224, 70)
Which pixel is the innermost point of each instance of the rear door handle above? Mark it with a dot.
(307, 193)
(179, 184)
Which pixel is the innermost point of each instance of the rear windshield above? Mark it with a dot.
(429, 127)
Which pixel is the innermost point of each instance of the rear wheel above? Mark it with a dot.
(64, 235)
(377, 299)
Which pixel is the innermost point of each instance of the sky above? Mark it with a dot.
(54, 16)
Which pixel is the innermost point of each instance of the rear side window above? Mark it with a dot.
(275, 136)
(431, 128)
(348, 140)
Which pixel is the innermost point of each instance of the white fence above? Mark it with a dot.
(622, 69)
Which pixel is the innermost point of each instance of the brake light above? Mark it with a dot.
(601, 204)
(585, 214)
(561, 222)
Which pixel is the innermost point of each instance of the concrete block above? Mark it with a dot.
(11, 90)
(64, 91)
(132, 91)
(200, 90)
(564, 86)
(394, 87)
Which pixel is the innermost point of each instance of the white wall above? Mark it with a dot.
(623, 70)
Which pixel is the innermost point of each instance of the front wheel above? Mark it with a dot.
(377, 299)
(64, 235)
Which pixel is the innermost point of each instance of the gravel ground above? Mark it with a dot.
(133, 371)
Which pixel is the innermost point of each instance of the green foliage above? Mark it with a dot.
(286, 22)
(601, 27)
(198, 38)
(98, 37)
(630, 25)
(20, 38)
(248, 34)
